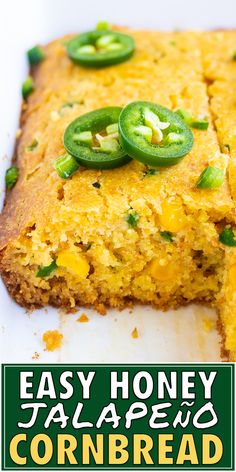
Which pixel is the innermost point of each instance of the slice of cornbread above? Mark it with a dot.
(219, 62)
(101, 258)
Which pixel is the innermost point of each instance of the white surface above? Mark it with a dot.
(173, 336)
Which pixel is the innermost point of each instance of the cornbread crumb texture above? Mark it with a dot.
(101, 259)
(36, 356)
(52, 340)
(83, 318)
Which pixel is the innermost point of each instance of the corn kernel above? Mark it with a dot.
(208, 325)
(77, 263)
(173, 217)
(162, 272)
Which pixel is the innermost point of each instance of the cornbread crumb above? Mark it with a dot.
(53, 340)
(134, 333)
(54, 115)
(83, 318)
(100, 308)
(35, 356)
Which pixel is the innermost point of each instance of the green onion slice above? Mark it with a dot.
(193, 122)
(185, 115)
(11, 177)
(27, 87)
(66, 165)
(45, 271)
(227, 237)
(211, 178)
(200, 124)
(35, 55)
(102, 25)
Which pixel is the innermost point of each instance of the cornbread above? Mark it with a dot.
(101, 258)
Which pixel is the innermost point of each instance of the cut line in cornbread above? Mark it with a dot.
(102, 261)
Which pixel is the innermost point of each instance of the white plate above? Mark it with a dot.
(163, 337)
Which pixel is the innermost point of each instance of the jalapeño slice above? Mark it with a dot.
(100, 48)
(153, 134)
(90, 140)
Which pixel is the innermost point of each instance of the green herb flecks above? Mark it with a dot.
(27, 87)
(167, 235)
(35, 55)
(32, 145)
(132, 219)
(227, 237)
(45, 271)
(11, 177)
(211, 178)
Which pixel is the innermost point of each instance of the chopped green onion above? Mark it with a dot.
(11, 177)
(32, 145)
(167, 235)
(87, 49)
(227, 237)
(111, 129)
(211, 178)
(185, 115)
(102, 25)
(45, 271)
(200, 124)
(234, 56)
(132, 219)
(194, 123)
(172, 43)
(27, 87)
(66, 165)
(35, 55)
(150, 172)
(96, 185)
(84, 137)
